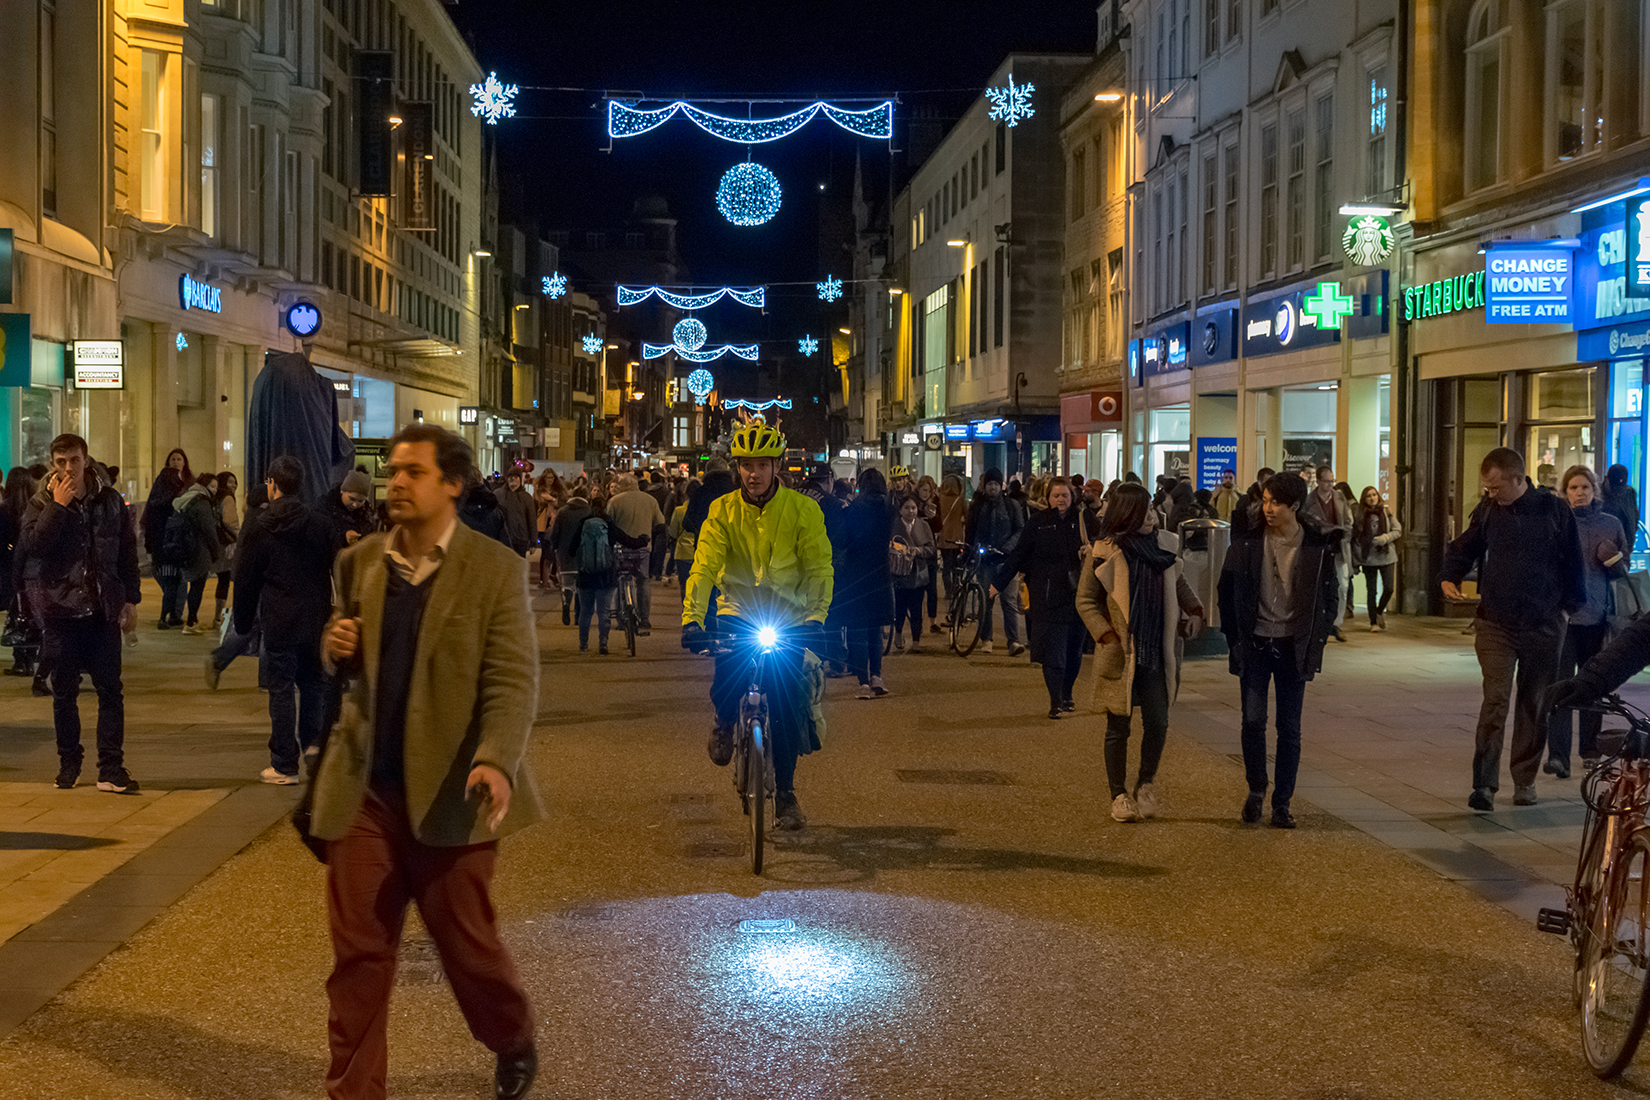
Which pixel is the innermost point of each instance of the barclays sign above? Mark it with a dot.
(198, 295)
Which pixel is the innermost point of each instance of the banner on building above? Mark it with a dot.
(1303, 453)
(418, 123)
(1530, 282)
(374, 104)
(1215, 455)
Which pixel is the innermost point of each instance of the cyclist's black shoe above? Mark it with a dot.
(721, 746)
(787, 812)
(1252, 806)
(1282, 818)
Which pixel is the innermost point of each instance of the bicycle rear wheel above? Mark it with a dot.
(1615, 1000)
(628, 595)
(756, 776)
(966, 619)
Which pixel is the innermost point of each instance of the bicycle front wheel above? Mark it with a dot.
(1614, 998)
(966, 619)
(756, 777)
(630, 616)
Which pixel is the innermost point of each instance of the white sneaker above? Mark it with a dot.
(1124, 809)
(876, 687)
(984, 647)
(1145, 800)
(280, 779)
(1015, 649)
(864, 692)
(916, 646)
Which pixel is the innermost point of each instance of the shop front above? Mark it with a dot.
(1091, 424)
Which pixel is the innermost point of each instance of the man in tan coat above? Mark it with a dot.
(424, 770)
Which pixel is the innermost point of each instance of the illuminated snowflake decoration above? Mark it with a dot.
(1012, 103)
(183, 342)
(689, 334)
(593, 345)
(493, 100)
(555, 285)
(830, 290)
(807, 345)
(700, 383)
(748, 195)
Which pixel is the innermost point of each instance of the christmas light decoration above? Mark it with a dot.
(1012, 103)
(830, 290)
(756, 296)
(593, 345)
(183, 342)
(757, 406)
(699, 384)
(689, 334)
(807, 345)
(555, 285)
(624, 120)
(699, 355)
(493, 99)
(749, 195)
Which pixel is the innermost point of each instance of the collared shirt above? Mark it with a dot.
(424, 568)
(1277, 582)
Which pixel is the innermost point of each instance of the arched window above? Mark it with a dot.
(1487, 38)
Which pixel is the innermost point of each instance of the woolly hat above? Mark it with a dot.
(358, 483)
(991, 475)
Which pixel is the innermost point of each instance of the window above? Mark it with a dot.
(1185, 55)
(997, 277)
(1377, 129)
(1139, 280)
(1211, 227)
(1487, 43)
(974, 176)
(1114, 303)
(152, 137)
(1160, 81)
(209, 165)
(289, 213)
(984, 312)
(1002, 148)
(252, 204)
(1157, 300)
(1181, 257)
(1323, 178)
(1234, 19)
(1295, 188)
(48, 111)
(1211, 27)
(1079, 182)
(1269, 199)
(1267, 7)
(1231, 180)
(1575, 78)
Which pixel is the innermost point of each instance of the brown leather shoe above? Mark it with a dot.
(514, 1075)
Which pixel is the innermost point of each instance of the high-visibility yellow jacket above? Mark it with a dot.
(773, 563)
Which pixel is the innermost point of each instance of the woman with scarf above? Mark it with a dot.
(1050, 554)
(928, 510)
(173, 479)
(1136, 603)
(1373, 533)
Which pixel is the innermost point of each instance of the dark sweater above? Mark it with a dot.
(1528, 556)
(397, 650)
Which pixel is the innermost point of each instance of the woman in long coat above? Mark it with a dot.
(949, 531)
(1050, 554)
(1136, 604)
(863, 594)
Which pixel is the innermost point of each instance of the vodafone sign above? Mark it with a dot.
(1107, 407)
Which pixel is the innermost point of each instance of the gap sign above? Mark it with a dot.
(1529, 284)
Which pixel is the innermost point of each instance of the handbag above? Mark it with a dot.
(1630, 598)
(18, 630)
(899, 557)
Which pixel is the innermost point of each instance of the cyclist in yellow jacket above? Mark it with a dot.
(764, 546)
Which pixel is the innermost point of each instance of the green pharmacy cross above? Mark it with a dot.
(1328, 305)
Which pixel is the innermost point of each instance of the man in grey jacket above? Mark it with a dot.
(521, 528)
(1326, 506)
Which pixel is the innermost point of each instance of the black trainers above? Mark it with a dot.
(566, 616)
(1282, 818)
(119, 781)
(1482, 799)
(721, 746)
(787, 812)
(68, 775)
(1251, 808)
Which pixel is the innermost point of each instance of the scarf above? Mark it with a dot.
(1147, 562)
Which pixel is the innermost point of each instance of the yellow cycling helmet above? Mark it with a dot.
(756, 440)
(899, 472)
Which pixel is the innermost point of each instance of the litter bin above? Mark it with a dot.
(1203, 546)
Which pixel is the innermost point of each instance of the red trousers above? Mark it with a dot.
(373, 871)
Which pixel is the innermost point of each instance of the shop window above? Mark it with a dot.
(209, 165)
(1170, 450)
(1625, 438)
(1551, 445)
(1309, 429)
(1487, 43)
(1562, 394)
(152, 136)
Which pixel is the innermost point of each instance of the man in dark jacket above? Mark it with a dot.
(283, 580)
(478, 508)
(658, 487)
(520, 514)
(562, 539)
(80, 573)
(1530, 573)
(1278, 597)
(349, 511)
(995, 523)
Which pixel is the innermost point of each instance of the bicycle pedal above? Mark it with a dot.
(1556, 921)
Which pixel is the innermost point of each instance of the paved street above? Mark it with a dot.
(968, 920)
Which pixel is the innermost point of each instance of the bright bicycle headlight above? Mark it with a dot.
(767, 637)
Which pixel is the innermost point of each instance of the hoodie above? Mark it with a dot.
(197, 506)
(283, 574)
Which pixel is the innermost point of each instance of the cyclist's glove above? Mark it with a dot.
(693, 636)
(1568, 694)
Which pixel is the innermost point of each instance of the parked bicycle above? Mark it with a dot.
(1607, 910)
(973, 593)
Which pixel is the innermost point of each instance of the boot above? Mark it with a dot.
(566, 608)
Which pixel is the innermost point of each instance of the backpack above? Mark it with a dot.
(177, 544)
(595, 552)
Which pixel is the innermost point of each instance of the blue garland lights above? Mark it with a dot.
(755, 297)
(757, 406)
(700, 355)
(830, 290)
(1012, 103)
(699, 384)
(624, 120)
(493, 100)
(749, 195)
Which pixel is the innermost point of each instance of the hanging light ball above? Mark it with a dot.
(689, 334)
(700, 383)
(749, 194)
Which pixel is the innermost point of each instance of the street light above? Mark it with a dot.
(956, 244)
(1383, 209)
(1109, 97)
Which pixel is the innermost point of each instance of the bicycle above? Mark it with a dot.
(1607, 909)
(753, 771)
(632, 572)
(968, 608)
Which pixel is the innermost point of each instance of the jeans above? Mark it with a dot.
(1009, 597)
(1270, 660)
(933, 590)
(90, 645)
(908, 606)
(197, 589)
(595, 603)
(173, 587)
(1342, 581)
(1062, 660)
(1150, 692)
(298, 704)
(1580, 643)
(865, 651)
(1528, 660)
(784, 686)
(224, 580)
(1383, 573)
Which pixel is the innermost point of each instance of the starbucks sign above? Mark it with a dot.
(1367, 240)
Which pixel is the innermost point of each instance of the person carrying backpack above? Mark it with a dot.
(190, 545)
(596, 566)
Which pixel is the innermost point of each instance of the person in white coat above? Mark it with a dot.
(1133, 597)
(1373, 550)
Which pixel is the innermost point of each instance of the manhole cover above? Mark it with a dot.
(588, 913)
(960, 778)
